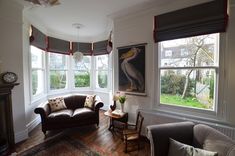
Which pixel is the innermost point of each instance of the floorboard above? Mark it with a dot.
(97, 137)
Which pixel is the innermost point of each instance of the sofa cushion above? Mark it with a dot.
(89, 102)
(83, 113)
(56, 104)
(65, 113)
(177, 149)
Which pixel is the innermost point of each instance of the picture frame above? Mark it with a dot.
(131, 69)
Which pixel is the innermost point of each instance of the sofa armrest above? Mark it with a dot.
(98, 104)
(43, 110)
(159, 136)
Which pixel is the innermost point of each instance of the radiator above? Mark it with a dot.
(160, 118)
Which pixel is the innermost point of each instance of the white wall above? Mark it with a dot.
(138, 28)
(11, 55)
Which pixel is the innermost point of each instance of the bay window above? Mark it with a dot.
(57, 71)
(101, 71)
(82, 72)
(37, 71)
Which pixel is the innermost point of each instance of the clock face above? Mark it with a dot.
(9, 77)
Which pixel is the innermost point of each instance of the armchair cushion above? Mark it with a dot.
(66, 113)
(178, 148)
(83, 113)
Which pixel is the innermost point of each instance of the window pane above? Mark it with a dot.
(85, 64)
(102, 79)
(101, 62)
(57, 61)
(36, 57)
(37, 82)
(57, 79)
(82, 78)
(190, 52)
(191, 88)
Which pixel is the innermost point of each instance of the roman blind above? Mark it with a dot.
(102, 47)
(58, 46)
(85, 48)
(38, 39)
(206, 18)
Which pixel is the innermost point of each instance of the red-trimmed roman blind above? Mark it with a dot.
(38, 39)
(102, 47)
(85, 48)
(58, 46)
(206, 18)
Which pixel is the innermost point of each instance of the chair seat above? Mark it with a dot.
(130, 137)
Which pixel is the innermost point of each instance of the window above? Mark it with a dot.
(101, 71)
(168, 53)
(190, 80)
(58, 71)
(37, 71)
(82, 72)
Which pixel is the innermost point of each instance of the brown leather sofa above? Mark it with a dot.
(75, 115)
(197, 135)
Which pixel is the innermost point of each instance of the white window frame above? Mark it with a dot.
(95, 79)
(62, 90)
(73, 75)
(43, 69)
(219, 86)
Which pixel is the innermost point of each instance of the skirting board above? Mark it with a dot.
(30, 126)
(20, 136)
(23, 135)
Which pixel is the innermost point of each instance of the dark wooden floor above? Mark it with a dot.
(92, 136)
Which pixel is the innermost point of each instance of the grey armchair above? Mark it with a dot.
(197, 135)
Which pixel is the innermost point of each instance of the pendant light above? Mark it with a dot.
(77, 56)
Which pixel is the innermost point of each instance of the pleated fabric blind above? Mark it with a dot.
(102, 47)
(206, 18)
(58, 46)
(38, 39)
(85, 48)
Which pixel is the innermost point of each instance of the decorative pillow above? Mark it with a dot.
(57, 104)
(90, 101)
(179, 149)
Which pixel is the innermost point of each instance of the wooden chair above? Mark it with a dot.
(133, 135)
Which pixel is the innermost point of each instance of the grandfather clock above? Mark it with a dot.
(7, 140)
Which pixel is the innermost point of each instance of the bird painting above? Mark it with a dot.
(132, 73)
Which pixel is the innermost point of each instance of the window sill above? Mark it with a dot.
(187, 112)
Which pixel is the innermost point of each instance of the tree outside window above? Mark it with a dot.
(101, 71)
(189, 79)
(82, 72)
(58, 71)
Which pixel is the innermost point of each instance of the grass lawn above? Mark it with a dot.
(177, 100)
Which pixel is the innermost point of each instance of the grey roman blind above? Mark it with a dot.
(58, 46)
(85, 48)
(206, 18)
(38, 39)
(102, 47)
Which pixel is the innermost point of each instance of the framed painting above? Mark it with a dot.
(131, 67)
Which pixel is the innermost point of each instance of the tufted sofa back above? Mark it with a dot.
(210, 139)
(75, 101)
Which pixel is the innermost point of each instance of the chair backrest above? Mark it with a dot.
(139, 122)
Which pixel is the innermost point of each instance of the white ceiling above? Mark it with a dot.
(94, 15)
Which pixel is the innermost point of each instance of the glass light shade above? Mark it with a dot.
(77, 56)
